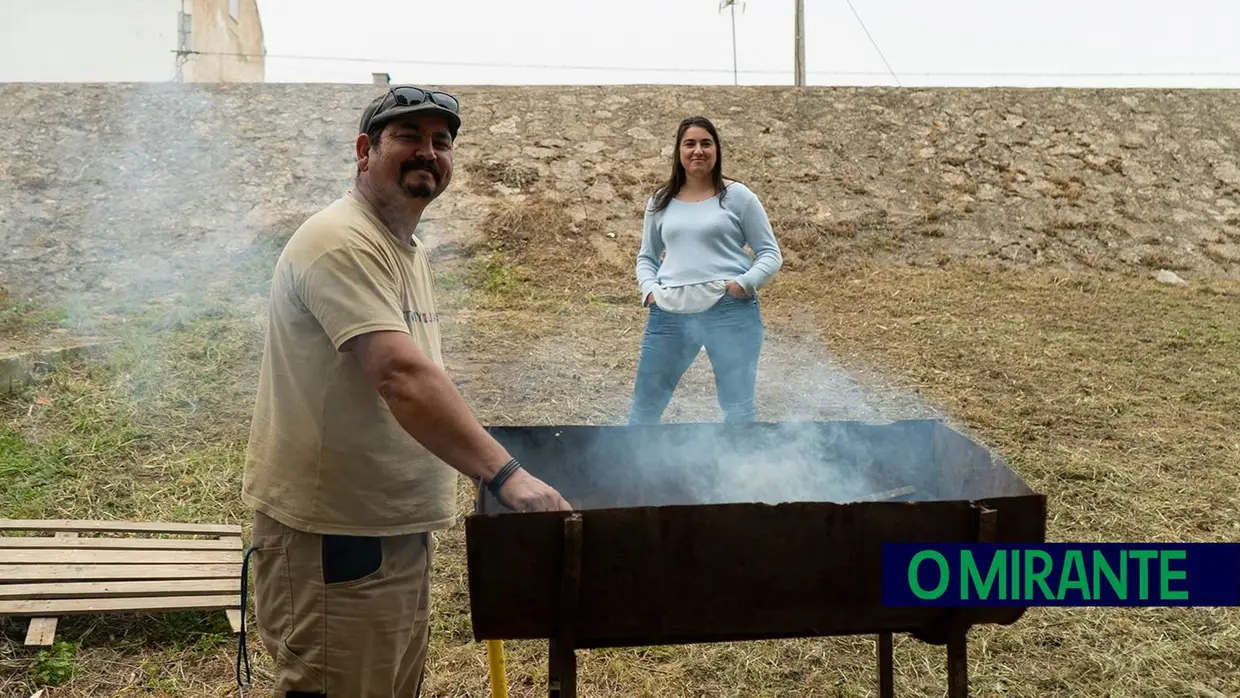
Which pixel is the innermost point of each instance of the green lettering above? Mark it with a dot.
(1144, 556)
(969, 573)
(944, 574)
(1118, 584)
(1015, 575)
(1073, 563)
(1039, 577)
(1166, 575)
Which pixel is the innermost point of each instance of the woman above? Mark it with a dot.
(703, 293)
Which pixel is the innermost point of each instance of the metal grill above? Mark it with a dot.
(698, 533)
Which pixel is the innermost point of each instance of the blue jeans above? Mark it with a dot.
(732, 332)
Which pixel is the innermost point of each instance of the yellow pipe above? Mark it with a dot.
(499, 677)
(495, 653)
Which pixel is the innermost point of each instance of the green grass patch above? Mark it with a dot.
(495, 275)
(30, 475)
(20, 316)
(156, 430)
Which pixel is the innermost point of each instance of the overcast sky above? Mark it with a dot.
(942, 42)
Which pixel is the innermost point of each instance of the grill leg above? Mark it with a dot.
(958, 664)
(562, 666)
(886, 667)
(562, 671)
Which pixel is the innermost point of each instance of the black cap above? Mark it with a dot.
(407, 99)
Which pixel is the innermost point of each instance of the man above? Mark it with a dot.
(356, 424)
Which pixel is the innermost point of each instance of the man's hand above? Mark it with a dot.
(525, 493)
(736, 290)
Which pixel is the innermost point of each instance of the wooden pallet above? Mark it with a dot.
(48, 570)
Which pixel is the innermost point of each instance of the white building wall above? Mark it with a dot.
(88, 40)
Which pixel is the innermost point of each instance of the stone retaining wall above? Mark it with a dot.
(137, 190)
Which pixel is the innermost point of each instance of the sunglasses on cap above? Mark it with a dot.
(411, 96)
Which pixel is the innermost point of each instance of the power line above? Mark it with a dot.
(469, 64)
(873, 42)
(634, 69)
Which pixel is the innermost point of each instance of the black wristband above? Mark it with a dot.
(504, 473)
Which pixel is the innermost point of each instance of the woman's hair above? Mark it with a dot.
(664, 194)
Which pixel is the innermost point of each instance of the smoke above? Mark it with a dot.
(128, 199)
(148, 196)
(608, 466)
(799, 461)
(826, 434)
(800, 379)
(150, 215)
(813, 454)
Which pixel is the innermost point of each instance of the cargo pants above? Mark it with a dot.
(342, 616)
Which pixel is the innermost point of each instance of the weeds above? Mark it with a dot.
(54, 666)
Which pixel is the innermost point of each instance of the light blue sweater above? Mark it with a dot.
(704, 242)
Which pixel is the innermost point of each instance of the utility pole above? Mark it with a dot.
(185, 29)
(735, 79)
(799, 59)
(731, 5)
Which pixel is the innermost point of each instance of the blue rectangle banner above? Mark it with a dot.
(1061, 574)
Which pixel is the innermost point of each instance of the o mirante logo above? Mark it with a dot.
(1062, 574)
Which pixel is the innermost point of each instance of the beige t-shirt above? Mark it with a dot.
(325, 453)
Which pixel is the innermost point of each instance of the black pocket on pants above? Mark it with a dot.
(349, 558)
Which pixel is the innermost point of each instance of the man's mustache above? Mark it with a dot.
(425, 165)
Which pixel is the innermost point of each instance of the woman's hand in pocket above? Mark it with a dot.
(736, 290)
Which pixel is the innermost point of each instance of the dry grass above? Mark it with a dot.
(533, 245)
(1118, 398)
